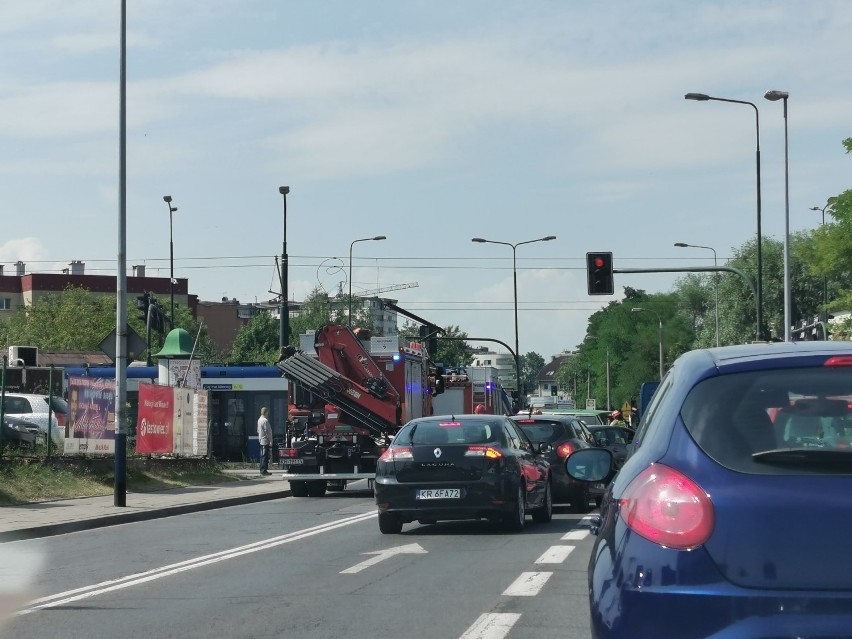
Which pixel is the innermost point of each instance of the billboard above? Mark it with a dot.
(154, 432)
(90, 428)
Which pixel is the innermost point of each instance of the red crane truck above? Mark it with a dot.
(346, 405)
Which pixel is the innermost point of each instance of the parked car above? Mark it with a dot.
(564, 434)
(34, 409)
(462, 467)
(615, 439)
(730, 516)
(17, 432)
(588, 417)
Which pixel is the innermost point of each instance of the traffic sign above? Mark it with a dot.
(135, 344)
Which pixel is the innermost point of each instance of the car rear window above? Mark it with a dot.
(456, 431)
(544, 431)
(59, 405)
(785, 421)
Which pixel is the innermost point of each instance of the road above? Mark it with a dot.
(312, 569)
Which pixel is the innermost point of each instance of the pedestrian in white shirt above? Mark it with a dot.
(264, 436)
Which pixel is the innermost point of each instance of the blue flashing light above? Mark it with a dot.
(489, 386)
(396, 357)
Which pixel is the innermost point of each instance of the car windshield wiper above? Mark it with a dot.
(814, 457)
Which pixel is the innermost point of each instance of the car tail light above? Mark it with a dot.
(483, 451)
(288, 452)
(396, 454)
(563, 450)
(839, 360)
(666, 507)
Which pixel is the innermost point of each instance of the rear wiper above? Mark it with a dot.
(816, 457)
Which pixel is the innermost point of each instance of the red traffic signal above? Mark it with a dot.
(599, 273)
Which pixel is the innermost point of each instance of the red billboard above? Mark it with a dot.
(154, 424)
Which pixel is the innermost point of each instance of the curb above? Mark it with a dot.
(51, 530)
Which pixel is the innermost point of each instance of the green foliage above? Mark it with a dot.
(630, 342)
(75, 319)
(257, 341)
(451, 352)
(531, 365)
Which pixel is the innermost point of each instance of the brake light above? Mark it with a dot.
(839, 360)
(396, 454)
(483, 451)
(288, 452)
(667, 508)
(563, 450)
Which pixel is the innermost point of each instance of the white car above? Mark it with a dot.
(34, 409)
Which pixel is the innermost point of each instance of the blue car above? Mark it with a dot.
(732, 515)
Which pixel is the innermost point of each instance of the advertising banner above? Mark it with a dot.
(91, 421)
(200, 430)
(182, 421)
(154, 425)
(184, 373)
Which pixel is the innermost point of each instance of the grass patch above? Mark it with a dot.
(24, 482)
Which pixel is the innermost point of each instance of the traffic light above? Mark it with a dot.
(599, 273)
(142, 304)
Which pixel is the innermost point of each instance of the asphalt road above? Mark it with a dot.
(312, 569)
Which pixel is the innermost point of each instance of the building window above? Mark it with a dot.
(5, 304)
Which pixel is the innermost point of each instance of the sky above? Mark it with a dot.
(430, 123)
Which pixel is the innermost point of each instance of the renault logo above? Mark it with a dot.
(437, 453)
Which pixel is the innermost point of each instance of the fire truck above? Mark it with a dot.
(347, 401)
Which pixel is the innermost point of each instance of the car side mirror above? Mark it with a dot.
(591, 465)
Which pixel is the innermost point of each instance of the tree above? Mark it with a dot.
(451, 352)
(531, 365)
(629, 342)
(75, 319)
(257, 341)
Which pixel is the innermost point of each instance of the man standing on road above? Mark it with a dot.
(264, 436)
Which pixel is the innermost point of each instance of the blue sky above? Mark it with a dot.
(428, 122)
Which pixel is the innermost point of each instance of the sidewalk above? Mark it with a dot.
(44, 519)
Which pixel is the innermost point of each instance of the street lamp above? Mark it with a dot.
(481, 240)
(660, 319)
(168, 200)
(703, 97)
(774, 96)
(363, 239)
(283, 307)
(715, 275)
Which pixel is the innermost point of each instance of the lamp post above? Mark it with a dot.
(774, 96)
(825, 277)
(363, 239)
(715, 282)
(703, 97)
(284, 306)
(660, 320)
(168, 200)
(514, 247)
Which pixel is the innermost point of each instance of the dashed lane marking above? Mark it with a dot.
(492, 625)
(555, 555)
(528, 584)
(575, 535)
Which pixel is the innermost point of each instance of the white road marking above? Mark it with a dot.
(492, 625)
(555, 555)
(575, 535)
(528, 584)
(381, 555)
(77, 594)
